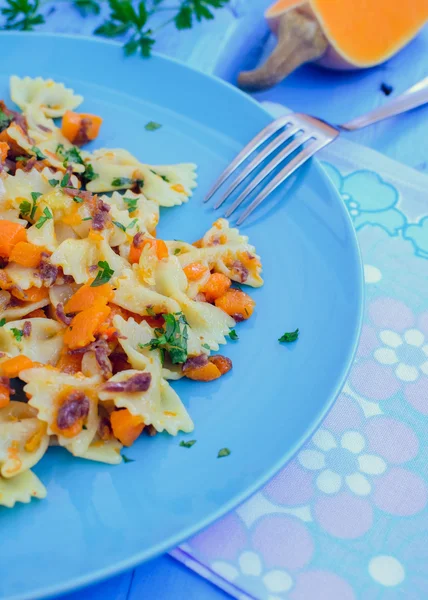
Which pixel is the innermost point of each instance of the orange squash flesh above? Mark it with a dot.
(362, 32)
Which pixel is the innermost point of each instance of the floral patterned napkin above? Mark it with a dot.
(347, 518)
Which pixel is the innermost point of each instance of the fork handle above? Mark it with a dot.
(412, 98)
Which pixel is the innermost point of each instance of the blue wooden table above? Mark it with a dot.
(234, 41)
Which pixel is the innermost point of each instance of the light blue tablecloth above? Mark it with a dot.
(223, 47)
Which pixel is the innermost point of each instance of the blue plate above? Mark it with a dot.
(97, 519)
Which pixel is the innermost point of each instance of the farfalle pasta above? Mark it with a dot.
(97, 313)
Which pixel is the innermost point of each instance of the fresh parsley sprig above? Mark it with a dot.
(45, 217)
(22, 15)
(289, 336)
(172, 338)
(104, 274)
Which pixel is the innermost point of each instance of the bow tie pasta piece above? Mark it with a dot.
(53, 99)
(78, 258)
(22, 277)
(169, 185)
(105, 451)
(135, 297)
(67, 403)
(19, 187)
(23, 439)
(42, 345)
(115, 168)
(207, 322)
(229, 252)
(21, 488)
(19, 309)
(159, 406)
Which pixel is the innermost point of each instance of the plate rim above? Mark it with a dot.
(107, 572)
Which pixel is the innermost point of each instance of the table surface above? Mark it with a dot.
(223, 47)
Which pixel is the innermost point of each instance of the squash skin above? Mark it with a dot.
(318, 31)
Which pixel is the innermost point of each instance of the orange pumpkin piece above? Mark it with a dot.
(13, 366)
(159, 245)
(4, 395)
(10, 234)
(237, 304)
(33, 294)
(207, 372)
(4, 149)
(194, 271)
(26, 254)
(69, 363)
(79, 128)
(36, 314)
(86, 296)
(126, 427)
(216, 286)
(85, 325)
(222, 363)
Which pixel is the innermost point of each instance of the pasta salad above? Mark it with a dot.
(97, 314)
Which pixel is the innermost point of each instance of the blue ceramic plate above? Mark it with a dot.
(98, 519)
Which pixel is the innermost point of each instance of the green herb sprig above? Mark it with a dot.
(172, 338)
(289, 336)
(126, 19)
(104, 274)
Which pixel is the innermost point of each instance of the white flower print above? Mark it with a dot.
(274, 581)
(408, 352)
(342, 462)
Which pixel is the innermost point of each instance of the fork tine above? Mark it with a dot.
(259, 158)
(275, 162)
(294, 164)
(261, 137)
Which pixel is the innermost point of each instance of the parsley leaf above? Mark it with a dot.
(22, 14)
(78, 200)
(46, 216)
(36, 195)
(25, 208)
(17, 333)
(87, 7)
(223, 452)
(188, 444)
(120, 225)
(177, 251)
(290, 336)
(2, 322)
(5, 120)
(89, 174)
(64, 181)
(150, 311)
(152, 126)
(122, 181)
(131, 224)
(126, 459)
(132, 204)
(53, 182)
(172, 338)
(104, 274)
(39, 154)
(70, 155)
(206, 346)
(233, 335)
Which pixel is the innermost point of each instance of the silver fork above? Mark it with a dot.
(303, 135)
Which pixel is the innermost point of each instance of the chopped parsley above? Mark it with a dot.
(120, 225)
(89, 174)
(53, 182)
(5, 120)
(233, 335)
(65, 180)
(223, 452)
(152, 126)
(132, 204)
(132, 224)
(177, 251)
(78, 200)
(150, 311)
(25, 208)
(104, 274)
(17, 334)
(188, 444)
(45, 217)
(87, 219)
(206, 346)
(21, 158)
(126, 459)
(39, 154)
(290, 336)
(70, 155)
(164, 177)
(2, 322)
(172, 338)
(125, 181)
(36, 195)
